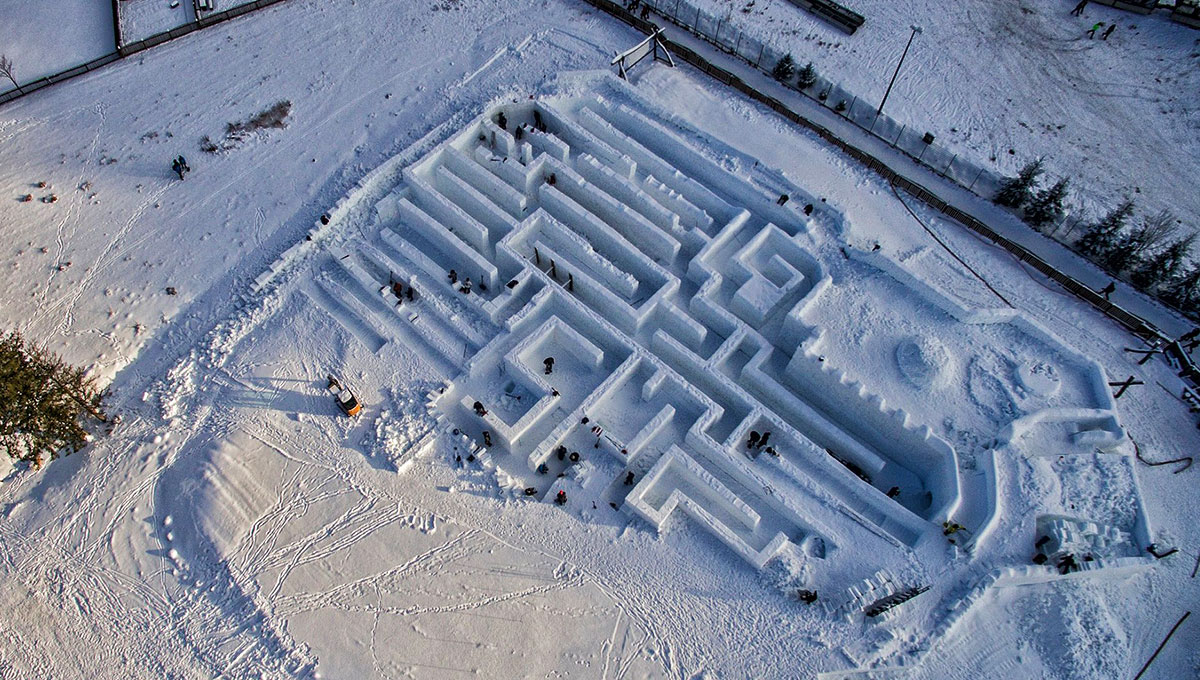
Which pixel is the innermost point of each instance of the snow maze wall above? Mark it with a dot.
(672, 297)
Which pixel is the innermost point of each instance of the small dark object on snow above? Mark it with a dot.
(552, 179)
(170, 290)
(893, 492)
(502, 121)
(807, 596)
(561, 452)
(570, 282)
(543, 469)
(763, 442)
(531, 491)
(487, 438)
(553, 270)
(537, 121)
(453, 276)
(808, 208)
(471, 458)
(26, 198)
(754, 439)
(612, 505)
(783, 198)
(585, 420)
(629, 478)
(560, 498)
(479, 409)
(1153, 550)
(519, 132)
(1042, 541)
(548, 362)
(553, 392)
(409, 293)
(574, 457)
(511, 284)
(325, 218)
(1039, 558)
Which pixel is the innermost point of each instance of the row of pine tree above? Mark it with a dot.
(1149, 253)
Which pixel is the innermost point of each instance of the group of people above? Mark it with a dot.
(180, 166)
(465, 286)
(758, 442)
(1078, 12)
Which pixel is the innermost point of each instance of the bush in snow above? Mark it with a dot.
(1015, 191)
(806, 77)
(44, 400)
(1047, 206)
(1163, 267)
(6, 69)
(784, 68)
(1102, 237)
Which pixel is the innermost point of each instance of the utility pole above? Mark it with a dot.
(915, 30)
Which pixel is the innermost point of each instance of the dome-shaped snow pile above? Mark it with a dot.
(923, 362)
(1039, 378)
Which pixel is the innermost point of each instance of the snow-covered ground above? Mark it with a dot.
(43, 38)
(1116, 116)
(235, 523)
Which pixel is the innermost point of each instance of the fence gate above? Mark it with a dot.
(650, 47)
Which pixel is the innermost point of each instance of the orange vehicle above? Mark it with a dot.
(345, 399)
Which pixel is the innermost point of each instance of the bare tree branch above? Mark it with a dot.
(6, 69)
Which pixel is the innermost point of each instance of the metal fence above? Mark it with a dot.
(721, 33)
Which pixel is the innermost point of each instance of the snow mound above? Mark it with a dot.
(1039, 378)
(923, 362)
(217, 497)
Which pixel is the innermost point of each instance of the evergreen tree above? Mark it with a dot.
(1163, 267)
(806, 77)
(1184, 291)
(1103, 236)
(1015, 191)
(1133, 246)
(784, 68)
(44, 401)
(1047, 205)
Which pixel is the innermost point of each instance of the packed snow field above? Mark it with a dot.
(923, 435)
(1118, 116)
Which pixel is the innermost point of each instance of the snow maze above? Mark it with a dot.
(683, 307)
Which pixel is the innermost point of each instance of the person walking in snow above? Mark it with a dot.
(178, 166)
(1078, 11)
(763, 442)
(453, 277)
(1095, 27)
(466, 287)
(502, 121)
(1108, 31)
(754, 439)
(479, 409)
(548, 362)
(1109, 289)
